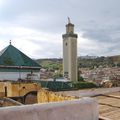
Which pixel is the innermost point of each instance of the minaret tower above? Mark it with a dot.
(70, 53)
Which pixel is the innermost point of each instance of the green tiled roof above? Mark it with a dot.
(11, 56)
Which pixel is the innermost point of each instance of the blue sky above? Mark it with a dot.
(36, 26)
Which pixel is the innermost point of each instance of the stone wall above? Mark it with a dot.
(17, 89)
(49, 96)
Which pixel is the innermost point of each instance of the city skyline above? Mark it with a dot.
(36, 27)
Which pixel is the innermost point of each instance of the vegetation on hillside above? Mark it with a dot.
(99, 62)
(56, 64)
(53, 65)
(50, 64)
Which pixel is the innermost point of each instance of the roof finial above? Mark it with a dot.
(68, 20)
(10, 42)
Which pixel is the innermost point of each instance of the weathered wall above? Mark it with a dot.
(22, 88)
(2, 88)
(49, 96)
(84, 109)
(16, 89)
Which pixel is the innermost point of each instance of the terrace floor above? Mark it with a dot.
(109, 102)
(109, 105)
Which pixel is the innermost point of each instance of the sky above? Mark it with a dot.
(36, 26)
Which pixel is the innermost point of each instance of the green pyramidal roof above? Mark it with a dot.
(11, 56)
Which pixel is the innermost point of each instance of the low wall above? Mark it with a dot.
(91, 92)
(83, 109)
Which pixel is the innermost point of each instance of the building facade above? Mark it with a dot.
(70, 53)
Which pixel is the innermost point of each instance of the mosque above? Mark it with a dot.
(16, 65)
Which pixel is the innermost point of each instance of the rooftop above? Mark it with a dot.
(11, 56)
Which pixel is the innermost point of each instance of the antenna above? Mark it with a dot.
(69, 20)
(10, 42)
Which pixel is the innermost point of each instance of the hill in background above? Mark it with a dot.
(83, 62)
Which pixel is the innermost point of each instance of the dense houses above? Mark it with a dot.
(99, 75)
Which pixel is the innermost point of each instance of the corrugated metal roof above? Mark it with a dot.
(11, 56)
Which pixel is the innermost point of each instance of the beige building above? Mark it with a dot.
(15, 89)
(70, 53)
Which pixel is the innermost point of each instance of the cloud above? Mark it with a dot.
(33, 43)
(36, 27)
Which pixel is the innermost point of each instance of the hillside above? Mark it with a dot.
(102, 61)
(83, 62)
(53, 64)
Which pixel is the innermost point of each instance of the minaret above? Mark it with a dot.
(70, 53)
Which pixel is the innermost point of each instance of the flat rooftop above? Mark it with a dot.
(109, 101)
(109, 105)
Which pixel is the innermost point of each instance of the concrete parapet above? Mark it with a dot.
(104, 91)
(83, 109)
(91, 92)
